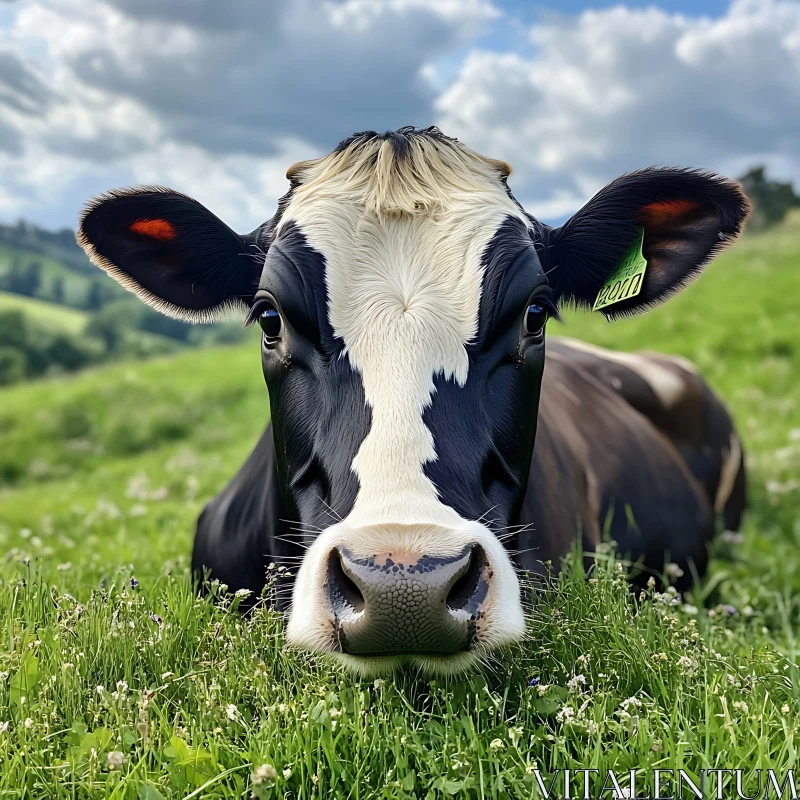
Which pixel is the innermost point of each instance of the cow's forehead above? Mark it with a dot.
(415, 209)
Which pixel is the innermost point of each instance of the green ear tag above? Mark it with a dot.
(626, 280)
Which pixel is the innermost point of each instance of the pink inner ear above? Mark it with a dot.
(665, 212)
(154, 229)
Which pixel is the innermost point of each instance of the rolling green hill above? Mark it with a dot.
(49, 314)
(61, 281)
(102, 476)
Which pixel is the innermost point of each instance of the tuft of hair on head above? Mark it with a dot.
(404, 172)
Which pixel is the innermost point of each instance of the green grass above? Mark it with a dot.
(54, 316)
(103, 476)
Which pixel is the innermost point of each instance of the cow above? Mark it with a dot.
(403, 295)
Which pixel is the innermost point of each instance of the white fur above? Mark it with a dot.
(402, 242)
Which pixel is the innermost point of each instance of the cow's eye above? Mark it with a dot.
(270, 321)
(535, 320)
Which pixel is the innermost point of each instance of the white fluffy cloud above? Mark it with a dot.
(217, 99)
(619, 89)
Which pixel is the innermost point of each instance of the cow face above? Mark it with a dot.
(403, 296)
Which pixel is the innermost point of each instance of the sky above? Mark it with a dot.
(217, 99)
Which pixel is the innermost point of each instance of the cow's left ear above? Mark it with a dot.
(687, 217)
(171, 251)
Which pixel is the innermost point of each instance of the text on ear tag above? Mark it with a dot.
(626, 280)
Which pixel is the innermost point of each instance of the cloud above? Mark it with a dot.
(228, 77)
(218, 99)
(233, 88)
(20, 87)
(615, 90)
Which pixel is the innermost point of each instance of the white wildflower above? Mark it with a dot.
(243, 593)
(574, 684)
(115, 760)
(231, 711)
(496, 744)
(264, 775)
(686, 664)
(634, 702)
(29, 722)
(566, 714)
(122, 688)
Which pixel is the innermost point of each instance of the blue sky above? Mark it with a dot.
(218, 99)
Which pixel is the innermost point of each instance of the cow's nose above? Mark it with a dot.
(404, 603)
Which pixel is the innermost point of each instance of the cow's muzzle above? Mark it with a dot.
(430, 595)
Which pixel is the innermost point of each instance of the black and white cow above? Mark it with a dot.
(403, 295)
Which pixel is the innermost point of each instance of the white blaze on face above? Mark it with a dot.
(403, 295)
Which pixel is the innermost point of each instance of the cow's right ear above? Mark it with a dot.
(171, 251)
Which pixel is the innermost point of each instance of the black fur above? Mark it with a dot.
(399, 138)
(246, 526)
(204, 269)
(484, 432)
(319, 412)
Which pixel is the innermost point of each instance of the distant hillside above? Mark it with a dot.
(50, 266)
(57, 245)
(66, 319)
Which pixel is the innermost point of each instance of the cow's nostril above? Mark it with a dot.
(468, 584)
(340, 587)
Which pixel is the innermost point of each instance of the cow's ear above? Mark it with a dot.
(171, 251)
(686, 217)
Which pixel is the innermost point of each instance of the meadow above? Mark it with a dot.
(117, 681)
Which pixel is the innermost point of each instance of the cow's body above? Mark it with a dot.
(636, 448)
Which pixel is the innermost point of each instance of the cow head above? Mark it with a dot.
(403, 295)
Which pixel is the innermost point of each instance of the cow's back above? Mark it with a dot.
(670, 392)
